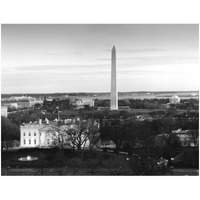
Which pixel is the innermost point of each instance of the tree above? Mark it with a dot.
(93, 133)
(59, 136)
(195, 136)
(115, 130)
(83, 131)
(76, 134)
(174, 140)
(9, 132)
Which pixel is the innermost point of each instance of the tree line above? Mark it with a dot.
(150, 103)
(9, 133)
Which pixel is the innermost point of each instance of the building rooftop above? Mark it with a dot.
(180, 131)
(175, 97)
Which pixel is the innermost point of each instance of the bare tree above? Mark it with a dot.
(76, 134)
(93, 134)
(59, 136)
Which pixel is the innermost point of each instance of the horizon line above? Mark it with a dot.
(143, 91)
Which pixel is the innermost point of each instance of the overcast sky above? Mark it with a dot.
(77, 58)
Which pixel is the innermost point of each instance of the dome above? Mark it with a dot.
(174, 99)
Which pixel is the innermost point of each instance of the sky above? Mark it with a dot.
(77, 58)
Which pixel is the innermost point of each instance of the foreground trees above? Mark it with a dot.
(76, 135)
(9, 132)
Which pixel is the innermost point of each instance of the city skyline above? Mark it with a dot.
(76, 58)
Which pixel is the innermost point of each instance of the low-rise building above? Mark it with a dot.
(82, 103)
(25, 103)
(4, 111)
(187, 137)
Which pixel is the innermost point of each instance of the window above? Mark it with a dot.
(34, 141)
(24, 134)
(29, 141)
(47, 141)
(29, 134)
(24, 141)
(34, 133)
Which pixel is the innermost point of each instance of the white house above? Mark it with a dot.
(45, 135)
(35, 135)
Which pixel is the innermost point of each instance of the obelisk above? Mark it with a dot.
(114, 95)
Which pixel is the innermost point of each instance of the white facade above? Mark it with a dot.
(40, 135)
(174, 99)
(81, 103)
(30, 135)
(4, 111)
(35, 135)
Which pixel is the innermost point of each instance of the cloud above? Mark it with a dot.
(155, 60)
(62, 53)
(48, 68)
(146, 50)
(55, 54)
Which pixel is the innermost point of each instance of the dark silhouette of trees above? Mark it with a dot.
(51, 106)
(76, 134)
(114, 129)
(9, 132)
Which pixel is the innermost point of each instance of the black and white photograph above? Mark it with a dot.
(100, 100)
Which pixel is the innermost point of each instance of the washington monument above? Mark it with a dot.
(114, 95)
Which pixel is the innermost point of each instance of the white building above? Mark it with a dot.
(81, 103)
(187, 137)
(4, 111)
(44, 135)
(36, 134)
(174, 99)
(34, 101)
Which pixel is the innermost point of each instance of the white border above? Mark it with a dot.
(104, 11)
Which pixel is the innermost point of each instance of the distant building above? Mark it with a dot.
(124, 107)
(56, 97)
(24, 103)
(34, 101)
(103, 108)
(21, 102)
(187, 137)
(10, 104)
(4, 111)
(174, 99)
(82, 103)
(49, 98)
(60, 98)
